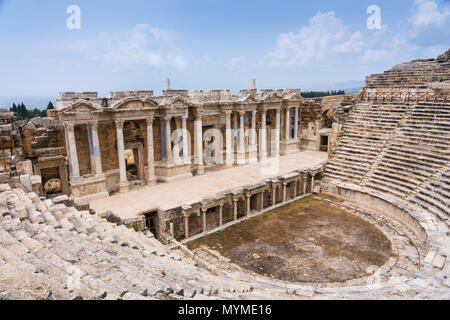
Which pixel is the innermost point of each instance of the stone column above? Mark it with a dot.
(198, 145)
(221, 214)
(121, 154)
(304, 181)
(168, 139)
(70, 127)
(241, 144)
(235, 213)
(288, 124)
(204, 219)
(253, 148)
(263, 137)
(162, 139)
(150, 153)
(186, 226)
(295, 189)
(235, 135)
(284, 192)
(177, 143)
(261, 201)
(228, 138)
(186, 155)
(91, 147)
(96, 147)
(276, 151)
(296, 124)
(248, 195)
(312, 182)
(274, 195)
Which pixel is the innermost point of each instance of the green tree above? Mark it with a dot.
(50, 106)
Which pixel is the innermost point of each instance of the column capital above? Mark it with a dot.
(149, 120)
(167, 118)
(254, 112)
(186, 214)
(242, 113)
(119, 123)
(198, 117)
(70, 125)
(94, 125)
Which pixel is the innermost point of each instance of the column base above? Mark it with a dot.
(289, 146)
(241, 159)
(253, 158)
(228, 165)
(171, 171)
(87, 189)
(199, 169)
(124, 187)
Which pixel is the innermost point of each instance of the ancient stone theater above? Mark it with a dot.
(261, 194)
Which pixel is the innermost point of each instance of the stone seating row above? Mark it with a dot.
(68, 254)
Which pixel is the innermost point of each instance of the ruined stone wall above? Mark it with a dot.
(43, 137)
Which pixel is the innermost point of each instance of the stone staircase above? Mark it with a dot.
(365, 134)
(415, 152)
(435, 196)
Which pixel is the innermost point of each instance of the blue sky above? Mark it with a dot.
(200, 44)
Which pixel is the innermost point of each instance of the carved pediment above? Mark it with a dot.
(82, 107)
(175, 103)
(272, 97)
(248, 99)
(134, 103)
(294, 96)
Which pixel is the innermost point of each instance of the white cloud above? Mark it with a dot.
(145, 46)
(427, 14)
(325, 35)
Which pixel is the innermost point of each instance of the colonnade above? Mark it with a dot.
(300, 183)
(235, 131)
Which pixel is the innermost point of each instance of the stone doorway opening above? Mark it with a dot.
(254, 203)
(132, 171)
(151, 222)
(51, 183)
(134, 160)
(324, 143)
